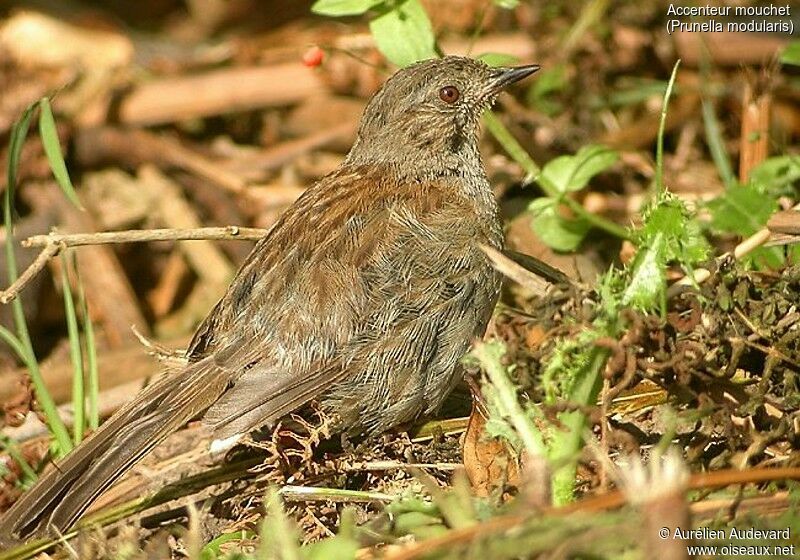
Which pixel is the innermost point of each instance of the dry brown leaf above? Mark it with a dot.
(488, 461)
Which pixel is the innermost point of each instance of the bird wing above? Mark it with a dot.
(361, 271)
(358, 265)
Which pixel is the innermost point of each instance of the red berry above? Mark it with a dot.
(313, 57)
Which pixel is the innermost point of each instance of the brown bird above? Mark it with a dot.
(364, 295)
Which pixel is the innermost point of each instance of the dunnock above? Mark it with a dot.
(364, 295)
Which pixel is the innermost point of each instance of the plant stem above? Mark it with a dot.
(24, 346)
(489, 354)
(57, 427)
(11, 447)
(533, 173)
(512, 147)
(567, 444)
(90, 353)
(661, 126)
(73, 333)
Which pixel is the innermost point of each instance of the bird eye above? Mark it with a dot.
(449, 94)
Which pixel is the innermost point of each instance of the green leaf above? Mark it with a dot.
(556, 231)
(498, 59)
(648, 280)
(212, 550)
(18, 134)
(332, 548)
(507, 4)
(52, 149)
(776, 175)
(404, 34)
(73, 332)
(685, 241)
(572, 173)
(541, 92)
(742, 210)
(343, 7)
(669, 234)
(791, 54)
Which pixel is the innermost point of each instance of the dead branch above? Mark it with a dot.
(54, 242)
(29, 273)
(146, 235)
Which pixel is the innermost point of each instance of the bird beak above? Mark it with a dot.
(502, 77)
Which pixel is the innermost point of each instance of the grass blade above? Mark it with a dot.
(28, 474)
(78, 390)
(90, 356)
(661, 126)
(14, 343)
(22, 341)
(716, 145)
(18, 134)
(43, 397)
(52, 149)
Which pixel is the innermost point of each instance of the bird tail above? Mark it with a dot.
(62, 494)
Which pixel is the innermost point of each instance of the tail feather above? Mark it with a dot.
(61, 495)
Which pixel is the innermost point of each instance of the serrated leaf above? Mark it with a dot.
(343, 7)
(572, 173)
(742, 210)
(52, 149)
(404, 34)
(685, 241)
(670, 233)
(557, 232)
(649, 277)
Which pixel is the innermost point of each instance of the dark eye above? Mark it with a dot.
(449, 94)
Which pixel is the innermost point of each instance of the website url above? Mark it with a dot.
(758, 551)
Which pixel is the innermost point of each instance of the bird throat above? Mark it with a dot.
(423, 155)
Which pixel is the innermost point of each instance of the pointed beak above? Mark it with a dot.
(502, 77)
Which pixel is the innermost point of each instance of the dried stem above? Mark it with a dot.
(27, 275)
(144, 235)
(54, 242)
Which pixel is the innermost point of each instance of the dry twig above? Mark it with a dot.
(54, 242)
